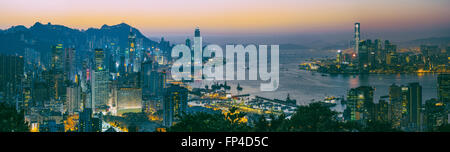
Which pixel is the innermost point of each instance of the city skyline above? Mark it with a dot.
(418, 19)
(139, 66)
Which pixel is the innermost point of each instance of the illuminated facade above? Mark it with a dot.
(57, 67)
(99, 83)
(69, 64)
(11, 74)
(396, 106)
(444, 87)
(73, 103)
(129, 99)
(360, 103)
(357, 37)
(435, 114)
(131, 54)
(175, 102)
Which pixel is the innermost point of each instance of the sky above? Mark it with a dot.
(411, 18)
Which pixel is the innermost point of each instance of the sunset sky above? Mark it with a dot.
(177, 17)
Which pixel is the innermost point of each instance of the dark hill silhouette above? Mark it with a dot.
(41, 36)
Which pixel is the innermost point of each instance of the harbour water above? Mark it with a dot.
(306, 86)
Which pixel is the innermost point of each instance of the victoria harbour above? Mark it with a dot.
(305, 86)
(224, 66)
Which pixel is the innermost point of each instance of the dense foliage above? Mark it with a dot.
(314, 117)
(11, 120)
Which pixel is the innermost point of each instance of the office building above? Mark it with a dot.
(174, 104)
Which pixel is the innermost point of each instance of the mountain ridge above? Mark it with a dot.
(40, 37)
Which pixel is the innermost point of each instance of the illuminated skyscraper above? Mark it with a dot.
(357, 37)
(131, 51)
(99, 82)
(11, 75)
(339, 57)
(444, 91)
(73, 99)
(175, 103)
(147, 67)
(429, 50)
(360, 103)
(380, 54)
(32, 60)
(382, 109)
(85, 124)
(391, 53)
(435, 114)
(57, 67)
(99, 59)
(153, 80)
(396, 107)
(444, 87)
(57, 58)
(69, 64)
(363, 55)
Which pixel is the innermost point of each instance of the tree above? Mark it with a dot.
(314, 117)
(11, 120)
(444, 128)
(379, 126)
(261, 125)
(207, 122)
(276, 124)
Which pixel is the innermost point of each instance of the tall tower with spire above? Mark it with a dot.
(357, 37)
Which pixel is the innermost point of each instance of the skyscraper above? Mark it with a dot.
(69, 64)
(435, 114)
(429, 50)
(363, 55)
(99, 83)
(444, 87)
(396, 107)
(414, 106)
(175, 103)
(85, 124)
(444, 91)
(153, 80)
(73, 99)
(99, 59)
(391, 53)
(382, 110)
(339, 57)
(357, 38)
(57, 58)
(380, 53)
(11, 75)
(131, 51)
(148, 66)
(360, 103)
(197, 55)
(57, 68)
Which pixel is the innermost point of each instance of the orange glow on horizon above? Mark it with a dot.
(251, 16)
